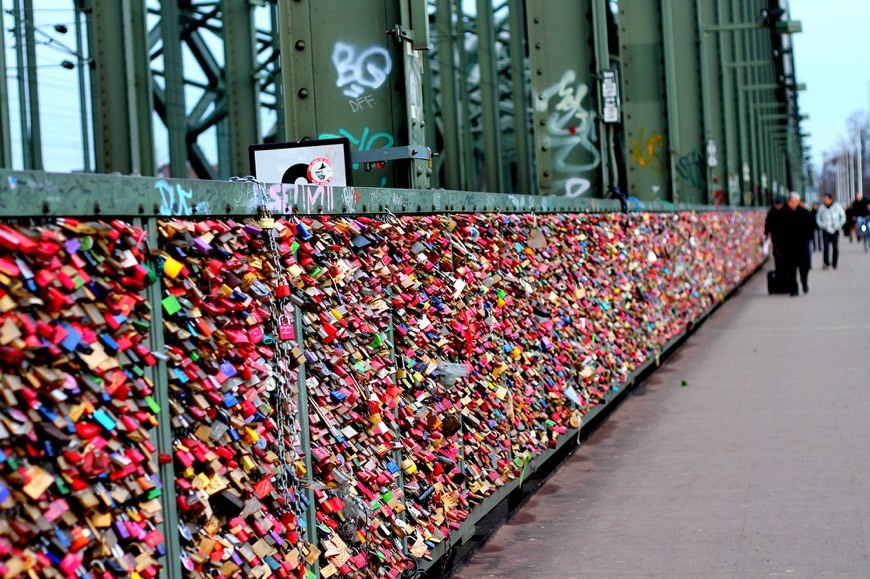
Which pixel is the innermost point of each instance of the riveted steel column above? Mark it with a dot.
(564, 93)
(451, 152)
(354, 81)
(297, 69)
(414, 17)
(713, 73)
(241, 85)
(743, 113)
(120, 86)
(176, 114)
(523, 148)
(5, 136)
(489, 97)
(644, 106)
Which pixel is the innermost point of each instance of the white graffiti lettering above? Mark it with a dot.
(358, 71)
(575, 186)
(177, 201)
(570, 128)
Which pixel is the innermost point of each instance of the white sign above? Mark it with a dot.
(764, 182)
(610, 94)
(320, 162)
(746, 172)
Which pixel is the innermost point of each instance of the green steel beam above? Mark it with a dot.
(34, 139)
(736, 27)
(414, 18)
(687, 101)
(21, 68)
(606, 143)
(730, 160)
(564, 95)
(711, 83)
(242, 88)
(120, 82)
(644, 105)
(469, 165)
(41, 195)
(740, 54)
(522, 146)
(489, 97)
(5, 133)
(162, 435)
(451, 153)
(173, 94)
(749, 63)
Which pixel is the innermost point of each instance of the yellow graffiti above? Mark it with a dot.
(650, 154)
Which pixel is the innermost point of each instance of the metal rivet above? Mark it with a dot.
(300, 45)
(303, 93)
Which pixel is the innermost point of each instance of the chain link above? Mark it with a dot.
(287, 407)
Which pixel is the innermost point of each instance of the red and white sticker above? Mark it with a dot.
(320, 171)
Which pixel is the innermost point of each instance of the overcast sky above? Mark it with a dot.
(831, 56)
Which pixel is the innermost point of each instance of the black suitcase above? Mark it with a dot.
(776, 284)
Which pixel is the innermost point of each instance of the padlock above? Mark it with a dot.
(282, 291)
(286, 331)
(267, 222)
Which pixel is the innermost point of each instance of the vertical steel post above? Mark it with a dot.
(83, 101)
(241, 85)
(731, 158)
(489, 97)
(21, 74)
(297, 70)
(280, 123)
(158, 374)
(469, 164)
(675, 149)
(5, 133)
(35, 136)
(522, 145)
(565, 87)
(122, 110)
(414, 17)
(609, 169)
(451, 153)
(176, 114)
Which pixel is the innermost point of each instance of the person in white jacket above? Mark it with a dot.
(830, 219)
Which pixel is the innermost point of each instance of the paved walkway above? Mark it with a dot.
(758, 467)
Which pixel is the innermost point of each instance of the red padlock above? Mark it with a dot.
(282, 291)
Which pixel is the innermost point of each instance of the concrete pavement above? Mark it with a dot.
(758, 467)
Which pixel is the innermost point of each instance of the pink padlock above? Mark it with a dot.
(285, 329)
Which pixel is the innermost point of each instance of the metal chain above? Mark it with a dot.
(287, 409)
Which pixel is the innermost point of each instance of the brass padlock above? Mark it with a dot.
(267, 222)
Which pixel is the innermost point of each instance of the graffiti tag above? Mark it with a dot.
(178, 201)
(570, 128)
(691, 169)
(358, 71)
(648, 153)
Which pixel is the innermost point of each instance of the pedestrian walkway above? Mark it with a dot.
(758, 466)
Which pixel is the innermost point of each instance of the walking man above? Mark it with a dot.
(797, 231)
(830, 219)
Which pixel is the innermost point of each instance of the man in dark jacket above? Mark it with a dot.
(796, 233)
(773, 230)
